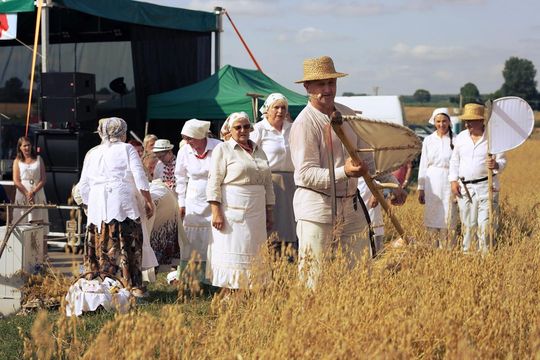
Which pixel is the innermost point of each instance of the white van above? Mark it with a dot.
(386, 108)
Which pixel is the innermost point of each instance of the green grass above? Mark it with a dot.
(89, 325)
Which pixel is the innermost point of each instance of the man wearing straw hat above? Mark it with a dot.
(319, 158)
(468, 175)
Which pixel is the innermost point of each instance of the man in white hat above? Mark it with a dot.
(468, 175)
(314, 146)
(163, 150)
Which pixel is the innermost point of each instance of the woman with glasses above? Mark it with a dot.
(241, 197)
(191, 173)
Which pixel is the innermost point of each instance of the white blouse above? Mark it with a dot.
(436, 152)
(110, 183)
(232, 165)
(275, 144)
(189, 167)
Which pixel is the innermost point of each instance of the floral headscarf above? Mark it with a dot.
(112, 129)
(272, 98)
(228, 124)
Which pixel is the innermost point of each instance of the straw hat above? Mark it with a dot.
(321, 68)
(162, 145)
(473, 112)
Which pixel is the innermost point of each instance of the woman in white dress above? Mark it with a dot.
(271, 134)
(114, 186)
(440, 211)
(29, 178)
(191, 172)
(241, 196)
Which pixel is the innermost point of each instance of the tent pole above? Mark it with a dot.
(217, 38)
(44, 34)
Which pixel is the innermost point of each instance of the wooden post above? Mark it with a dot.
(337, 121)
(489, 105)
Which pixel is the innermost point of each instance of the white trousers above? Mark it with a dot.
(315, 242)
(475, 215)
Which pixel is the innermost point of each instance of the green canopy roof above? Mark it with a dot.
(130, 11)
(220, 95)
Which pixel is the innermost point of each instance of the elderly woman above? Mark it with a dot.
(114, 187)
(241, 197)
(272, 136)
(164, 169)
(191, 172)
(434, 191)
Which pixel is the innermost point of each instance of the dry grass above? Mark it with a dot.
(414, 303)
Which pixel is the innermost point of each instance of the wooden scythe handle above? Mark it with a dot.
(336, 120)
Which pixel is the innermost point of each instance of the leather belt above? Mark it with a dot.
(325, 194)
(475, 181)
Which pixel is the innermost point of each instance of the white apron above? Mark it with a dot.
(196, 221)
(233, 249)
(440, 210)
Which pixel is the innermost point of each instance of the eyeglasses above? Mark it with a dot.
(187, 138)
(245, 127)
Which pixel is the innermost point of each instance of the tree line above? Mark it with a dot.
(519, 80)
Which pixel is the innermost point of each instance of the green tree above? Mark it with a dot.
(470, 93)
(422, 96)
(519, 79)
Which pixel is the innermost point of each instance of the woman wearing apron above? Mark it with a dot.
(241, 196)
(191, 172)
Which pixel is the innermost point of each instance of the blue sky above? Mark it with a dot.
(399, 46)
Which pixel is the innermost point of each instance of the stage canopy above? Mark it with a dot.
(219, 95)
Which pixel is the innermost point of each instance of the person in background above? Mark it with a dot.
(375, 214)
(403, 174)
(115, 189)
(148, 143)
(29, 178)
(241, 196)
(191, 172)
(138, 146)
(271, 134)
(163, 150)
(468, 174)
(434, 192)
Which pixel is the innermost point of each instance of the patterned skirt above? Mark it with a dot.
(116, 249)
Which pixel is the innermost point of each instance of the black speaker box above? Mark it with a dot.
(67, 84)
(68, 110)
(64, 150)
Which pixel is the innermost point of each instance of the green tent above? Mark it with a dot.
(220, 95)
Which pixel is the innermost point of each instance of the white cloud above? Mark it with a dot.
(427, 52)
(343, 8)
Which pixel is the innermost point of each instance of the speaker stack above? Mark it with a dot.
(69, 106)
(69, 99)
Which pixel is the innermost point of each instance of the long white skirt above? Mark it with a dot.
(440, 211)
(196, 222)
(41, 215)
(284, 222)
(233, 249)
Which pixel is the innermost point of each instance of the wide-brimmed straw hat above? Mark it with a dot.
(320, 68)
(162, 145)
(473, 112)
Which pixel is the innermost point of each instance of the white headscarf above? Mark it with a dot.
(272, 98)
(196, 129)
(437, 112)
(112, 129)
(228, 124)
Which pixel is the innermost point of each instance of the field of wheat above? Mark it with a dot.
(415, 302)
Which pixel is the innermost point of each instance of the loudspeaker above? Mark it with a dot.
(57, 190)
(67, 84)
(68, 110)
(64, 150)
